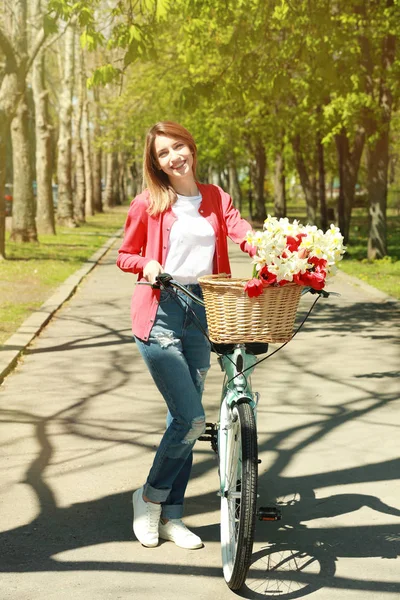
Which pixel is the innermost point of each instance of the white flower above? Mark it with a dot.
(273, 252)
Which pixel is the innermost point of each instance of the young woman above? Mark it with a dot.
(178, 226)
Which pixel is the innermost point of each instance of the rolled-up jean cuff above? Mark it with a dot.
(155, 495)
(172, 511)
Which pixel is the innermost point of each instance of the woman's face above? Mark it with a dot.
(173, 157)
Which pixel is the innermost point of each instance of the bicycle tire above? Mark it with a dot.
(239, 496)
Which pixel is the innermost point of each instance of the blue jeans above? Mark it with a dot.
(177, 355)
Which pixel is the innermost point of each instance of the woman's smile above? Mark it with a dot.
(174, 156)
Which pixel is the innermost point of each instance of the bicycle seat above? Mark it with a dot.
(223, 348)
(255, 348)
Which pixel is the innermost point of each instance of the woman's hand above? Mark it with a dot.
(151, 270)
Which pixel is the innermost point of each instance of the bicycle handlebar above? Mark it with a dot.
(166, 280)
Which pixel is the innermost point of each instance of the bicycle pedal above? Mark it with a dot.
(269, 513)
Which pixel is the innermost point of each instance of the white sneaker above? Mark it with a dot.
(146, 518)
(176, 531)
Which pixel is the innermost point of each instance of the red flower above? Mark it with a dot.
(311, 279)
(254, 287)
(267, 277)
(293, 243)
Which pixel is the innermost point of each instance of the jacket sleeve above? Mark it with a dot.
(236, 226)
(131, 254)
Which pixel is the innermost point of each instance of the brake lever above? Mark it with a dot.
(162, 280)
(322, 293)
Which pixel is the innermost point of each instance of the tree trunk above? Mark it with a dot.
(44, 208)
(97, 181)
(9, 97)
(97, 170)
(378, 155)
(23, 220)
(259, 180)
(305, 180)
(121, 178)
(280, 186)
(3, 131)
(45, 222)
(64, 163)
(322, 184)
(109, 199)
(349, 164)
(234, 186)
(15, 107)
(80, 187)
(87, 152)
(377, 171)
(115, 182)
(134, 171)
(16, 63)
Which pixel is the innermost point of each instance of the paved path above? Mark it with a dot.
(80, 418)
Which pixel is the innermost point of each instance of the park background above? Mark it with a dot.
(294, 107)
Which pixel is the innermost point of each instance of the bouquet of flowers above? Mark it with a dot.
(286, 252)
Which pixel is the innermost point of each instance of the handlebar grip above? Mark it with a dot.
(164, 279)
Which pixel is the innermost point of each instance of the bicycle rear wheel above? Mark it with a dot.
(239, 496)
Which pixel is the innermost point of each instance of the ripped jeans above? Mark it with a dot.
(178, 357)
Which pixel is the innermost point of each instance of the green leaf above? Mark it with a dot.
(103, 75)
(49, 25)
(162, 9)
(134, 33)
(132, 53)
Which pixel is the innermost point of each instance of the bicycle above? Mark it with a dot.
(234, 439)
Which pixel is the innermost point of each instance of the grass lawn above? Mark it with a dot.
(33, 271)
(383, 274)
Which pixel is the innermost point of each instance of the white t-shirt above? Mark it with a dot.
(191, 243)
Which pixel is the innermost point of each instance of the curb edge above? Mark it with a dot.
(15, 345)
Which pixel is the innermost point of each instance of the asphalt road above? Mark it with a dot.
(80, 418)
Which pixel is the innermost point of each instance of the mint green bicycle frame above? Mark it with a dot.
(236, 388)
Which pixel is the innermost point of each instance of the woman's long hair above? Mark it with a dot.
(162, 194)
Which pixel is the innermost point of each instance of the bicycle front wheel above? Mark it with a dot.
(239, 495)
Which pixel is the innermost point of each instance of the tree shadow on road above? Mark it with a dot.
(36, 546)
(361, 318)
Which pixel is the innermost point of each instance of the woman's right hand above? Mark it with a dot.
(151, 270)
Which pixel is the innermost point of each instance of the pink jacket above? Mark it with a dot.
(146, 238)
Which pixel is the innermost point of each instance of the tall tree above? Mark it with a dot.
(18, 60)
(13, 74)
(80, 184)
(378, 122)
(23, 221)
(65, 214)
(97, 162)
(45, 221)
(110, 198)
(280, 184)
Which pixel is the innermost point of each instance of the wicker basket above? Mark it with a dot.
(234, 318)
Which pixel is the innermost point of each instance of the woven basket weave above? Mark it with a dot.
(234, 318)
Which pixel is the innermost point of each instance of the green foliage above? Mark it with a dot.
(103, 75)
(91, 40)
(242, 72)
